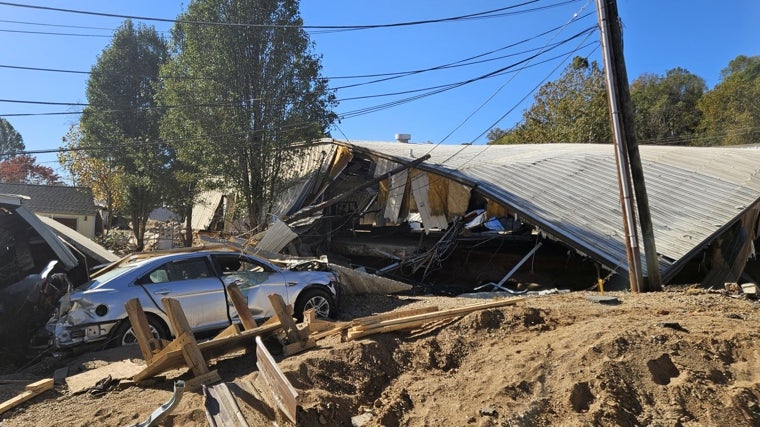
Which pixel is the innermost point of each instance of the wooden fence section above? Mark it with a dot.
(283, 393)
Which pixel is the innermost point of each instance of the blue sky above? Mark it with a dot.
(700, 36)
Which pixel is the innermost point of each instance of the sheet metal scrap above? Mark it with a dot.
(159, 414)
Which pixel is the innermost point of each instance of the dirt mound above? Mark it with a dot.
(672, 358)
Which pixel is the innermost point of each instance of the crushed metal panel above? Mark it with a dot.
(340, 160)
(80, 241)
(205, 207)
(304, 177)
(59, 248)
(277, 236)
(731, 250)
(570, 191)
(423, 194)
(396, 193)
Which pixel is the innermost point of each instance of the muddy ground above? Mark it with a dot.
(683, 357)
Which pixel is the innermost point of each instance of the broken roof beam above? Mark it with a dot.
(308, 211)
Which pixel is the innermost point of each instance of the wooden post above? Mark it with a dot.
(241, 306)
(619, 73)
(297, 340)
(190, 351)
(141, 328)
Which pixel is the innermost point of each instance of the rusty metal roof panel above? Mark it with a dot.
(570, 191)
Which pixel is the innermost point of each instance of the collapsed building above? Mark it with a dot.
(518, 203)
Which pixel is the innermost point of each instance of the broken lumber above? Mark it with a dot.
(298, 339)
(141, 328)
(283, 393)
(241, 306)
(30, 391)
(418, 320)
(222, 409)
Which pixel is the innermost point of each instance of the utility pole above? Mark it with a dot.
(627, 151)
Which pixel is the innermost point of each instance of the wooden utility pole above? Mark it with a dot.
(627, 151)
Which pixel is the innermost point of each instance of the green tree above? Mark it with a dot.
(100, 173)
(256, 89)
(731, 110)
(11, 141)
(665, 107)
(121, 123)
(572, 108)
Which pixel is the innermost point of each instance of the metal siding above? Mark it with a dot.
(571, 192)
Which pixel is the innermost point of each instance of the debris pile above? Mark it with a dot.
(682, 357)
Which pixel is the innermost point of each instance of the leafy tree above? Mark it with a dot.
(665, 107)
(731, 111)
(572, 108)
(24, 169)
(121, 124)
(11, 141)
(256, 89)
(100, 173)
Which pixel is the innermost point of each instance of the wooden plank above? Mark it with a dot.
(148, 343)
(30, 391)
(283, 393)
(283, 314)
(233, 329)
(203, 379)
(241, 306)
(335, 330)
(171, 357)
(418, 320)
(190, 351)
(222, 408)
(363, 321)
(117, 370)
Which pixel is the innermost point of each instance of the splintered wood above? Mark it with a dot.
(283, 393)
(414, 319)
(30, 391)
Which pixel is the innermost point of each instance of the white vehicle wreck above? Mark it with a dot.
(198, 279)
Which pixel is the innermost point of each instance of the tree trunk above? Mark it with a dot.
(188, 226)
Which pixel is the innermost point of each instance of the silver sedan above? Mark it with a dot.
(197, 279)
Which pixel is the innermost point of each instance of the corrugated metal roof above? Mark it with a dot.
(571, 191)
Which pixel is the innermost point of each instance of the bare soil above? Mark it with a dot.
(684, 357)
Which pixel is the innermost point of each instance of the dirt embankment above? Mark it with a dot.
(666, 359)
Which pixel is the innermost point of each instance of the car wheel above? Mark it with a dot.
(125, 335)
(316, 299)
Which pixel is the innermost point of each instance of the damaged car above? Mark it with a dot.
(95, 312)
(36, 268)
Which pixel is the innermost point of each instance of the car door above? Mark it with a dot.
(190, 281)
(256, 280)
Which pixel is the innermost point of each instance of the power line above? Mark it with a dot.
(45, 33)
(438, 89)
(500, 12)
(42, 24)
(459, 63)
(430, 91)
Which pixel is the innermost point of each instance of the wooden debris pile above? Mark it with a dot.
(221, 406)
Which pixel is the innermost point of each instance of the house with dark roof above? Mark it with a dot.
(71, 206)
